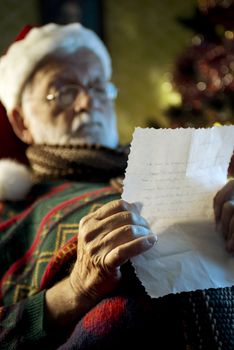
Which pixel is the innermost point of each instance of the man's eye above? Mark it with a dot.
(52, 93)
(50, 97)
(96, 84)
(70, 90)
(98, 88)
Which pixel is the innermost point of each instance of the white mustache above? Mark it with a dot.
(80, 120)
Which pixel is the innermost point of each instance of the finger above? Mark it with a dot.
(226, 216)
(105, 211)
(109, 209)
(230, 237)
(124, 235)
(121, 254)
(103, 246)
(225, 194)
(230, 244)
(123, 218)
(231, 228)
(114, 207)
(122, 221)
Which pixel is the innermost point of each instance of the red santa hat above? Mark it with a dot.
(24, 55)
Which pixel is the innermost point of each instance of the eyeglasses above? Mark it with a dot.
(66, 95)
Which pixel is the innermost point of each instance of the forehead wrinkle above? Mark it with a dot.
(62, 67)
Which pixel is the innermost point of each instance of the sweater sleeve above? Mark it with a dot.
(21, 324)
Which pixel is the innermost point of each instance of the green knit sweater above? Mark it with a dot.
(36, 241)
(38, 247)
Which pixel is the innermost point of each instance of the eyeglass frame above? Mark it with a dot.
(110, 92)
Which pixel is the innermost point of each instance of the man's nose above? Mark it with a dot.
(82, 101)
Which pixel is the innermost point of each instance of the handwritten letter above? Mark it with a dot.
(175, 174)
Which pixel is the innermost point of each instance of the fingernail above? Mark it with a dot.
(139, 206)
(152, 240)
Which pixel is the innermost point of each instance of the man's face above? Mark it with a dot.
(89, 118)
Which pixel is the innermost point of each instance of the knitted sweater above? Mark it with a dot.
(37, 248)
(34, 245)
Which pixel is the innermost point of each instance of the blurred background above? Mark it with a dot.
(173, 60)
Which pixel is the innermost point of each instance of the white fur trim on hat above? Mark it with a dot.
(15, 180)
(23, 55)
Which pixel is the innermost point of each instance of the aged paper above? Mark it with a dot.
(174, 174)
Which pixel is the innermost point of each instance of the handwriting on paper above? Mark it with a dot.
(175, 174)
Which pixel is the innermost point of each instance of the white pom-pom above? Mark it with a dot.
(15, 180)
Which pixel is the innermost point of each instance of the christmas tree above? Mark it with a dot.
(204, 73)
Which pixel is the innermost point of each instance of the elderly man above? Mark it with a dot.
(63, 258)
(56, 90)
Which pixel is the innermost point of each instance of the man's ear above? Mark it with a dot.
(19, 127)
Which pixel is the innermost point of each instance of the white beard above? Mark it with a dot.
(85, 129)
(51, 135)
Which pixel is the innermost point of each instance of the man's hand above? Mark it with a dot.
(107, 239)
(224, 213)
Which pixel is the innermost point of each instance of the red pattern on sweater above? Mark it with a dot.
(104, 316)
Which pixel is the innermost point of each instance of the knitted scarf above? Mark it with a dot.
(86, 162)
